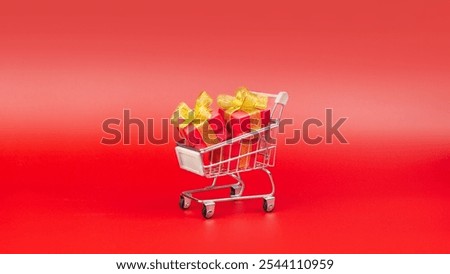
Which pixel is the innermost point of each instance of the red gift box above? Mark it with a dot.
(200, 127)
(240, 122)
(211, 132)
(244, 112)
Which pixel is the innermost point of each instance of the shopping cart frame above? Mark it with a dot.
(192, 160)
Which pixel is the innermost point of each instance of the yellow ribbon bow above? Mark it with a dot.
(246, 101)
(197, 116)
(243, 100)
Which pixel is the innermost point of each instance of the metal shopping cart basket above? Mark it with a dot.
(260, 157)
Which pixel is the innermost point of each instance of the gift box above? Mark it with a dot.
(210, 132)
(243, 113)
(200, 127)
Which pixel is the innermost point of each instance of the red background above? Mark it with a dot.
(65, 67)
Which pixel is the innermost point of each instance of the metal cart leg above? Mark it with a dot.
(237, 189)
(271, 180)
(269, 200)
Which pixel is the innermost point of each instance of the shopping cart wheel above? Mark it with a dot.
(236, 191)
(208, 210)
(269, 204)
(184, 203)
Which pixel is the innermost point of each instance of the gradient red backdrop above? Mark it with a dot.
(67, 66)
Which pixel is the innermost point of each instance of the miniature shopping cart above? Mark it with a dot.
(260, 157)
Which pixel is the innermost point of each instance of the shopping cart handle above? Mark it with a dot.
(282, 98)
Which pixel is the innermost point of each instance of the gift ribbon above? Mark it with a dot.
(198, 117)
(244, 162)
(246, 101)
